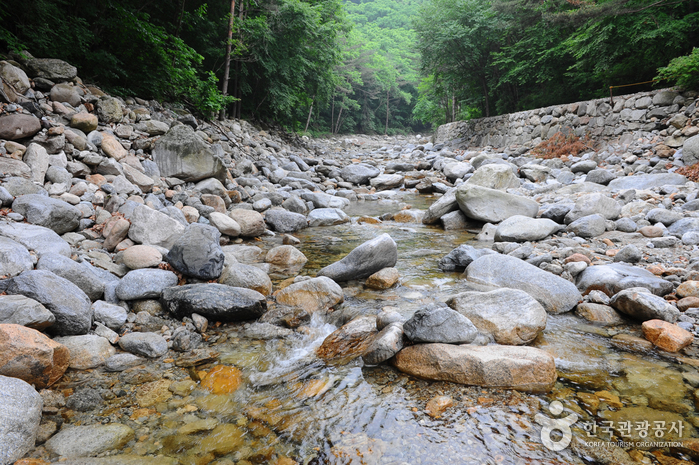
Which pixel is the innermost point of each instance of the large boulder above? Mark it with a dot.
(109, 109)
(616, 277)
(443, 205)
(554, 293)
(14, 258)
(461, 257)
(312, 295)
(511, 316)
(68, 303)
(252, 223)
(37, 238)
(370, 257)
(145, 284)
(595, 203)
(29, 355)
(492, 205)
(152, 227)
(18, 126)
(51, 213)
(690, 151)
(78, 274)
(197, 253)
(14, 77)
(520, 368)
(439, 324)
(37, 159)
(520, 228)
(52, 69)
(182, 154)
(494, 176)
(642, 305)
(217, 302)
(20, 415)
(327, 217)
(359, 173)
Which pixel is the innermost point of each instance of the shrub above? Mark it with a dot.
(683, 71)
(560, 145)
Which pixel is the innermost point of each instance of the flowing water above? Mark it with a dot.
(291, 405)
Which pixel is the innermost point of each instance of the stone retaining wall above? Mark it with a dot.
(667, 111)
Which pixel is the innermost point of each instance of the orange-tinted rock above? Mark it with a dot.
(96, 179)
(577, 257)
(222, 379)
(351, 340)
(687, 303)
(383, 279)
(438, 405)
(29, 355)
(688, 289)
(651, 231)
(112, 147)
(667, 336)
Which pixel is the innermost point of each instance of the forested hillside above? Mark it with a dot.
(362, 66)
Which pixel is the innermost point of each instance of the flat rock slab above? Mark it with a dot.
(616, 277)
(554, 293)
(370, 257)
(217, 302)
(492, 205)
(520, 368)
(20, 415)
(80, 441)
(647, 181)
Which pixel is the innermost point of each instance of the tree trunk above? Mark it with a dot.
(339, 115)
(387, 99)
(485, 94)
(332, 115)
(308, 121)
(453, 107)
(227, 70)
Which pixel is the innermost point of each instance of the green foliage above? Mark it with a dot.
(683, 71)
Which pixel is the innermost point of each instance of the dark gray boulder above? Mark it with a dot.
(440, 324)
(145, 284)
(51, 213)
(461, 257)
(284, 221)
(197, 253)
(370, 257)
(217, 302)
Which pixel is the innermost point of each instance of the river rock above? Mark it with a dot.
(600, 176)
(598, 313)
(182, 154)
(359, 173)
(20, 310)
(284, 221)
(491, 205)
(640, 415)
(443, 205)
(554, 293)
(312, 295)
(52, 69)
(647, 181)
(456, 170)
(37, 238)
(327, 217)
(683, 226)
(87, 351)
(86, 122)
(109, 109)
(365, 260)
(494, 176)
(616, 277)
(197, 253)
(252, 223)
(520, 228)
(20, 415)
(520, 368)
(667, 336)
(145, 284)
(16, 169)
(110, 315)
(88, 441)
(65, 93)
(588, 226)
(37, 159)
(386, 181)
(74, 272)
(591, 204)
(511, 316)
(68, 303)
(439, 324)
(216, 302)
(285, 256)
(384, 345)
(151, 345)
(642, 305)
(18, 126)
(225, 224)
(247, 276)
(15, 77)
(14, 258)
(141, 256)
(462, 256)
(383, 279)
(54, 214)
(29, 355)
(351, 340)
(152, 227)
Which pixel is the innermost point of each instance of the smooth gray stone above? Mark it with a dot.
(110, 315)
(629, 254)
(80, 441)
(359, 173)
(387, 343)
(182, 154)
(588, 226)
(54, 214)
(151, 345)
(283, 221)
(519, 228)
(591, 204)
(121, 362)
(20, 310)
(600, 176)
(365, 260)
(664, 216)
(145, 284)
(647, 181)
(443, 205)
(439, 324)
(74, 272)
(616, 277)
(37, 238)
(679, 228)
(20, 415)
(216, 302)
(554, 293)
(462, 256)
(68, 303)
(14, 258)
(327, 217)
(491, 205)
(643, 305)
(151, 227)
